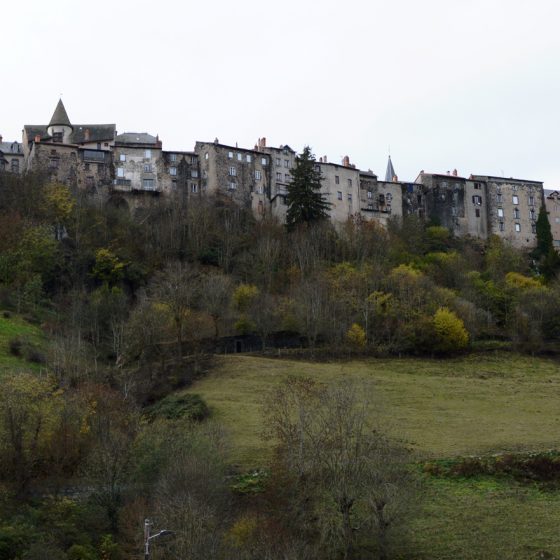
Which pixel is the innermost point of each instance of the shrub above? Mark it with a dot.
(188, 406)
(450, 332)
(356, 336)
(16, 345)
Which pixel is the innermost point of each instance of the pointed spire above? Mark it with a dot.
(60, 116)
(390, 173)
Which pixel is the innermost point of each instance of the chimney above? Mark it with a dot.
(454, 173)
(448, 172)
(395, 179)
(38, 138)
(346, 161)
(325, 159)
(0, 138)
(263, 142)
(86, 135)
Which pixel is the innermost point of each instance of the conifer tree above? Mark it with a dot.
(545, 254)
(305, 201)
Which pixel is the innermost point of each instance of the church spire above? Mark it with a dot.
(390, 173)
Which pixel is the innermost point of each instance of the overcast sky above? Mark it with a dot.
(466, 84)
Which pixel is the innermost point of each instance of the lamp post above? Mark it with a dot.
(148, 537)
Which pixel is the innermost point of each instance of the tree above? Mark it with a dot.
(450, 332)
(545, 253)
(340, 481)
(305, 201)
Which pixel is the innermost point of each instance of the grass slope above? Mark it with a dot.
(477, 404)
(10, 328)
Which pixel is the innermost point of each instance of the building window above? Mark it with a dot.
(477, 186)
(248, 158)
(194, 172)
(278, 176)
(54, 163)
(147, 168)
(534, 228)
(477, 212)
(172, 171)
(232, 186)
(516, 213)
(147, 154)
(349, 197)
(264, 161)
(370, 206)
(287, 163)
(148, 184)
(515, 199)
(339, 195)
(336, 180)
(518, 227)
(122, 157)
(194, 188)
(260, 189)
(389, 197)
(233, 171)
(230, 155)
(239, 157)
(172, 157)
(204, 174)
(58, 136)
(477, 200)
(370, 194)
(287, 178)
(349, 182)
(15, 166)
(499, 199)
(501, 226)
(532, 213)
(257, 175)
(531, 200)
(278, 162)
(500, 212)
(120, 172)
(206, 155)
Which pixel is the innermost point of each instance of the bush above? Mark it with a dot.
(16, 345)
(188, 406)
(451, 335)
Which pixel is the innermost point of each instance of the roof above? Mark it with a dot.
(503, 179)
(11, 148)
(97, 132)
(390, 173)
(443, 176)
(136, 138)
(60, 116)
(368, 173)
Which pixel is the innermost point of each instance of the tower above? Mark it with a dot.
(60, 129)
(390, 174)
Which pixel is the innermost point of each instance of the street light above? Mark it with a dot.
(148, 537)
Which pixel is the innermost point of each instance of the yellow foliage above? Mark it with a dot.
(450, 331)
(356, 336)
(242, 532)
(244, 295)
(59, 200)
(518, 281)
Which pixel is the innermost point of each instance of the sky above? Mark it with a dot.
(440, 84)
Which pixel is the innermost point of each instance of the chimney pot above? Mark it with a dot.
(264, 142)
(454, 173)
(395, 179)
(346, 161)
(38, 138)
(86, 134)
(0, 138)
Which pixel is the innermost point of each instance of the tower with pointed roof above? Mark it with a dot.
(59, 128)
(390, 173)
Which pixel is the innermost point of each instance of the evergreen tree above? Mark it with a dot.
(545, 254)
(305, 201)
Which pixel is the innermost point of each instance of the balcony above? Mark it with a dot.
(123, 185)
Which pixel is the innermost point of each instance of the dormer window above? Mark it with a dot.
(58, 137)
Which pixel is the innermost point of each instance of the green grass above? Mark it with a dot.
(474, 405)
(479, 404)
(10, 328)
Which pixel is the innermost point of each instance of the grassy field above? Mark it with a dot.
(10, 328)
(479, 404)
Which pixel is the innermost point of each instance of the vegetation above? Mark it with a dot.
(116, 409)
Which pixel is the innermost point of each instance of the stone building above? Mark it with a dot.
(77, 155)
(239, 174)
(552, 204)
(457, 203)
(11, 156)
(513, 208)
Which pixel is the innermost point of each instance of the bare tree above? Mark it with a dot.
(343, 480)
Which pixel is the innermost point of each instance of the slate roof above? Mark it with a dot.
(136, 138)
(97, 132)
(390, 173)
(60, 116)
(11, 148)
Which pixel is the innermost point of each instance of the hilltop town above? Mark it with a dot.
(124, 169)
